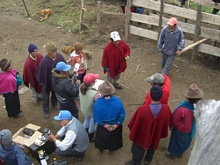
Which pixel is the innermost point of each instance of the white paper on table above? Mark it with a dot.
(97, 83)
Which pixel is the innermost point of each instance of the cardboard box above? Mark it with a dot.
(21, 139)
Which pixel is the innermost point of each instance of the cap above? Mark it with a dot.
(115, 36)
(61, 66)
(172, 21)
(32, 48)
(51, 47)
(156, 78)
(90, 78)
(63, 115)
(156, 93)
(5, 137)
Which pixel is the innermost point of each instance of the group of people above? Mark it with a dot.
(103, 112)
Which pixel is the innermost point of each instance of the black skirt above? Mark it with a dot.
(108, 140)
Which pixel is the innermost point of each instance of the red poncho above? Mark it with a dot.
(30, 66)
(145, 130)
(166, 92)
(114, 57)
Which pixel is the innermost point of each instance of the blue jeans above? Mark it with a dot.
(45, 99)
(89, 124)
(167, 62)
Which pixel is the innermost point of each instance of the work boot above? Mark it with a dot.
(91, 137)
(130, 162)
(47, 115)
(117, 86)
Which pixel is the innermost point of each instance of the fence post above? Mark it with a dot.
(160, 18)
(81, 14)
(98, 11)
(197, 32)
(128, 17)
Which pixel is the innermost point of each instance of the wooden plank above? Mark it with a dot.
(204, 48)
(143, 32)
(177, 11)
(206, 3)
(186, 27)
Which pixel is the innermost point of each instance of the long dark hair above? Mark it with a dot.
(83, 88)
(192, 101)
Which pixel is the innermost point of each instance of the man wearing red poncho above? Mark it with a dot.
(114, 59)
(147, 126)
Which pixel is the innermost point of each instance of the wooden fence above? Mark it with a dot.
(195, 26)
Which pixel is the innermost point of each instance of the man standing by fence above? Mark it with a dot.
(170, 44)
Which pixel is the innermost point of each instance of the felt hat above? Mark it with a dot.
(90, 78)
(32, 48)
(193, 92)
(61, 66)
(51, 47)
(5, 137)
(63, 115)
(106, 88)
(115, 36)
(4, 64)
(156, 93)
(172, 21)
(78, 47)
(156, 78)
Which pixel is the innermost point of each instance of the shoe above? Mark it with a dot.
(79, 157)
(19, 115)
(56, 107)
(170, 155)
(35, 102)
(146, 163)
(130, 162)
(47, 115)
(117, 86)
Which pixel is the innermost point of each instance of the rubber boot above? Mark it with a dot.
(91, 137)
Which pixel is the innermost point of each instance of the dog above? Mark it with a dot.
(68, 49)
(45, 14)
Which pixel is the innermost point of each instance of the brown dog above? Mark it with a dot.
(68, 50)
(45, 14)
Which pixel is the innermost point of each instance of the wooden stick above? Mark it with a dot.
(81, 14)
(193, 45)
(26, 8)
(137, 68)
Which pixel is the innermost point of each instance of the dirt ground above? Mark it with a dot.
(17, 31)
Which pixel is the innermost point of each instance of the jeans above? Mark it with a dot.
(89, 124)
(46, 101)
(35, 95)
(115, 80)
(68, 152)
(167, 62)
(138, 154)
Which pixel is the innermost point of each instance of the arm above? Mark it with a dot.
(166, 81)
(21, 156)
(161, 40)
(181, 41)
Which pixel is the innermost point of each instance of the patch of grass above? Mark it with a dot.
(205, 9)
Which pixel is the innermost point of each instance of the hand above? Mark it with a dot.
(127, 57)
(178, 52)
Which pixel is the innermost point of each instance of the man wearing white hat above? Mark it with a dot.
(114, 58)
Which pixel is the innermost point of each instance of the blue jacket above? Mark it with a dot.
(14, 155)
(170, 42)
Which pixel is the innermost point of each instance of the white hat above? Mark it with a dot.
(115, 36)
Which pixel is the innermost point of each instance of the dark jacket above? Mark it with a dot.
(64, 88)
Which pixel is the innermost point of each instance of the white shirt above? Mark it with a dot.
(70, 137)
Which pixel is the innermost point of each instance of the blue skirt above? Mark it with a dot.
(179, 142)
